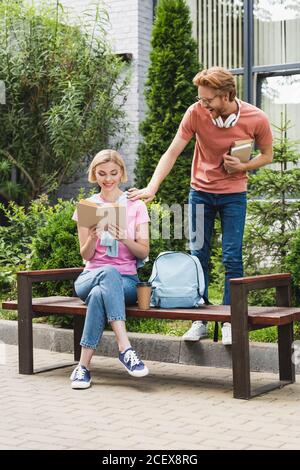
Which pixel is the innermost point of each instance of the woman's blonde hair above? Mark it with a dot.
(105, 156)
(219, 79)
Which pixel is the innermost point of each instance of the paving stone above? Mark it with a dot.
(176, 407)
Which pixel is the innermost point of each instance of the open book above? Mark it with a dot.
(89, 214)
(242, 149)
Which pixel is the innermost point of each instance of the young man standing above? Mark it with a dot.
(218, 180)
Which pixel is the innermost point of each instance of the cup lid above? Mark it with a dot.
(144, 284)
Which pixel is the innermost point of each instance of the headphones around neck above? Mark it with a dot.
(230, 121)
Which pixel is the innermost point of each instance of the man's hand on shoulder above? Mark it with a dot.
(146, 194)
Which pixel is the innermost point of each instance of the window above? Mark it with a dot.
(276, 31)
(253, 38)
(280, 95)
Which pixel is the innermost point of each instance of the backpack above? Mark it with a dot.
(178, 281)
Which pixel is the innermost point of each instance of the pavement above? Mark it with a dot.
(176, 407)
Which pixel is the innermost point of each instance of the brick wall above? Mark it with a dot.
(129, 31)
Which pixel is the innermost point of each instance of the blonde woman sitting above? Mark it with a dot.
(109, 279)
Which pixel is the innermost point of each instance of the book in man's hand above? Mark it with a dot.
(90, 214)
(242, 149)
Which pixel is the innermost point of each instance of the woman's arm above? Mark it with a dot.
(138, 247)
(87, 239)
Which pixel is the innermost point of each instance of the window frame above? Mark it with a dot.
(254, 75)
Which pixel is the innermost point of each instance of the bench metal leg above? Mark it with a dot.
(285, 337)
(240, 343)
(25, 338)
(78, 329)
(286, 366)
(285, 342)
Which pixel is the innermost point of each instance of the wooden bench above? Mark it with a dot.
(242, 318)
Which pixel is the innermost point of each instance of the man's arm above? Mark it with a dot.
(162, 170)
(264, 158)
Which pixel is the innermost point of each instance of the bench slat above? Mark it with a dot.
(257, 315)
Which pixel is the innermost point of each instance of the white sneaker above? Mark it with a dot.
(197, 331)
(226, 334)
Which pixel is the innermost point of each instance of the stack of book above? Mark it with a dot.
(242, 149)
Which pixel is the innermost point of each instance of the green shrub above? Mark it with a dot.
(292, 264)
(41, 237)
(61, 81)
(56, 245)
(16, 239)
(273, 211)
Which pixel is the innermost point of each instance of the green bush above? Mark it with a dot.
(292, 264)
(61, 82)
(41, 237)
(16, 239)
(56, 245)
(273, 211)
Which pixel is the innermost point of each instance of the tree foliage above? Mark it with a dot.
(274, 208)
(169, 92)
(61, 82)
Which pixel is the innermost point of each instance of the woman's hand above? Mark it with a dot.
(117, 233)
(92, 233)
(96, 231)
(233, 164)
(88, 240)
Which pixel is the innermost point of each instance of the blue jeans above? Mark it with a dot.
(232, 210)
(106, 292)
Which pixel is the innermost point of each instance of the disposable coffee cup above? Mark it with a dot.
(144, 290)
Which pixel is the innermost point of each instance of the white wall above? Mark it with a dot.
(129, 31)
(131, 24)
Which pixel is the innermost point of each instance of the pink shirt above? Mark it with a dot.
(212, 143)
(125, 262)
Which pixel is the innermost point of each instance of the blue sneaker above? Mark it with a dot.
(133, 364)
(81, 377)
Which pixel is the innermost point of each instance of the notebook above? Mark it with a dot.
(89, 214)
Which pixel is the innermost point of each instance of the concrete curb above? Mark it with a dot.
(264, 356)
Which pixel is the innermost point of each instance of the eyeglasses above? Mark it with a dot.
(206, 100)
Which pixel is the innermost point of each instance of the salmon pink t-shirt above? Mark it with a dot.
(125, 262)
(213, 143)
